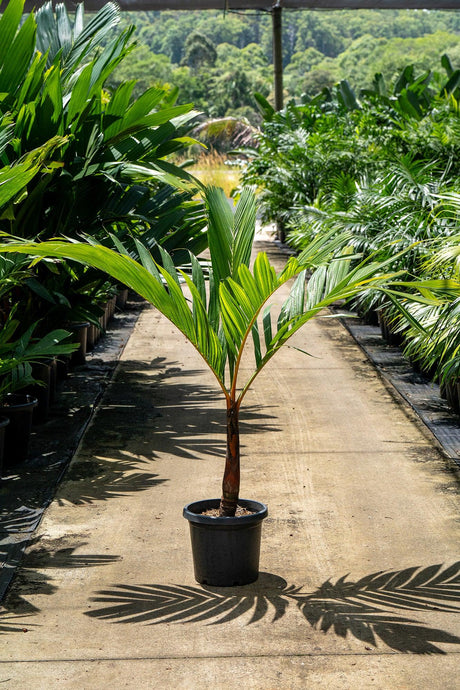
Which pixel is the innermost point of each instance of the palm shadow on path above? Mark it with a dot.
(148, 410)
(35, 578)
(375, 608)
(165, 411)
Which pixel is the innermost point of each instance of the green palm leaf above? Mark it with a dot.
(22, 47)
(13, 180)
(220, 233)
(9, 24)
(56, 38)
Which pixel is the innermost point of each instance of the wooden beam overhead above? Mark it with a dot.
(189, 5)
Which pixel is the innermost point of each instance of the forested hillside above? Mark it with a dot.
(219, 60)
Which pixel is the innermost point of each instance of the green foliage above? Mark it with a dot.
(319, 50)
(225, 307)
(19, 353)
(306, 147)
(199, 52)
(77, 159)
(381, 165)
(151, 70)
(103, 156)
(299, 151)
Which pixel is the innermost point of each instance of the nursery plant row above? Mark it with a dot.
(381, 167)
(85, 163)
(29, 403)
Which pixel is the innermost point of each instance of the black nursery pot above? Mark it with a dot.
(80, 331)
(41, 371)
(225, 549)
(19, 410)
(4, 421)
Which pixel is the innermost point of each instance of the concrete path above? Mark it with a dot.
(360, 581)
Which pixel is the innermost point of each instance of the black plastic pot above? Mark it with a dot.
(62, 367)
(452, 396)
(91, 337)
(389, 333)
(53, 379)
(4, 421)
(225, 549)
(371, 317)
(19, 410)
(80, 331)
(122, 298)
(41, 371)
(110, 307)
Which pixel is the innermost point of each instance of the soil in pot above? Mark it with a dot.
(225, 550)
(215, 512)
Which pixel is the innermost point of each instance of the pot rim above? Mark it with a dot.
(192, 512)
(77, 325)
(26, 400)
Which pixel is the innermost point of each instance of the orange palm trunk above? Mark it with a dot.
(231, 481)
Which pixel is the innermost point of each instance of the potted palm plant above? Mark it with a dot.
(221, 306)
(18, 354)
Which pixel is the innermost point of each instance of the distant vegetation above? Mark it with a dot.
(217, 60)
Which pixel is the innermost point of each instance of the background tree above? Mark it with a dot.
(320, 48)
(200, 52)
(150, 69)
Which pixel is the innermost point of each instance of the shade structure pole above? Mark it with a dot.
(278, 78)
(277, 55)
